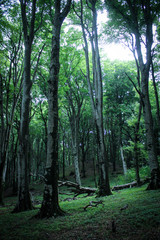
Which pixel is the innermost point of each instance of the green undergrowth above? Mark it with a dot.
(133, 211)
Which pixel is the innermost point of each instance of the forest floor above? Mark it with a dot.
(125, 215)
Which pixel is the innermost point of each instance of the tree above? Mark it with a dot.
(50, 205)
(24, 201)
(95, 88)
(119, 102)
(10, 85)
(137, 19)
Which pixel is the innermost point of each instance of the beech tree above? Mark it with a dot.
(119, 102)
(95, 88)
(50, 205)
(75, 100)
(10, 86)
(24, 201)
(137, 19)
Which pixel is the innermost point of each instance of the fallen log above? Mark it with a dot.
(77, 188)
(130, 185)
(127, 185)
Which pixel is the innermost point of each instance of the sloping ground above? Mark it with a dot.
(96, 232)
(132, 214)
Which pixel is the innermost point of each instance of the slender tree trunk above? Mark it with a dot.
(1, 182)
(5, 132)
(97, 101)
(83, 161)
(2, 162)
(136, 141)
(14, 186)
(123, 161)
(64, 175)
(121, 146)
(75, 145)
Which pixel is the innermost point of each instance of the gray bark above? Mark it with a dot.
(97, 101)
(123, 161)
(75, 145)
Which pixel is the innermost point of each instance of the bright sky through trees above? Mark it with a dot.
(112, 51)
(116, 51)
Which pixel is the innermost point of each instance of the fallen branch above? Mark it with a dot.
(124, 208)
(130, 185)
(93, 204)
(77, 188)
(127, 185)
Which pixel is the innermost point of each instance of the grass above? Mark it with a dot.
(139, 220)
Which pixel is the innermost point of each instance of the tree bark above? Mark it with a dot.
(50, 205)
(75, 145)
(123, 161)
(64, 175)
(147, 113)
(6, 117)
(97, 101)
(24, 201)
(157, 121)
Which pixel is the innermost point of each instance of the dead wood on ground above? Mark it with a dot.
(93, 204)
(76, 188)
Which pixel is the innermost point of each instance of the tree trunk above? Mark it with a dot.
(123, 161)
(136, 141)
(83, 161)
(97, 100)
(50, 205)
(147, 113)
(24, 201)
(157, 121)
(74, 129)
(64, 175)
(6, 127)
(1, 182)
(151, 144)
(156, 96)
